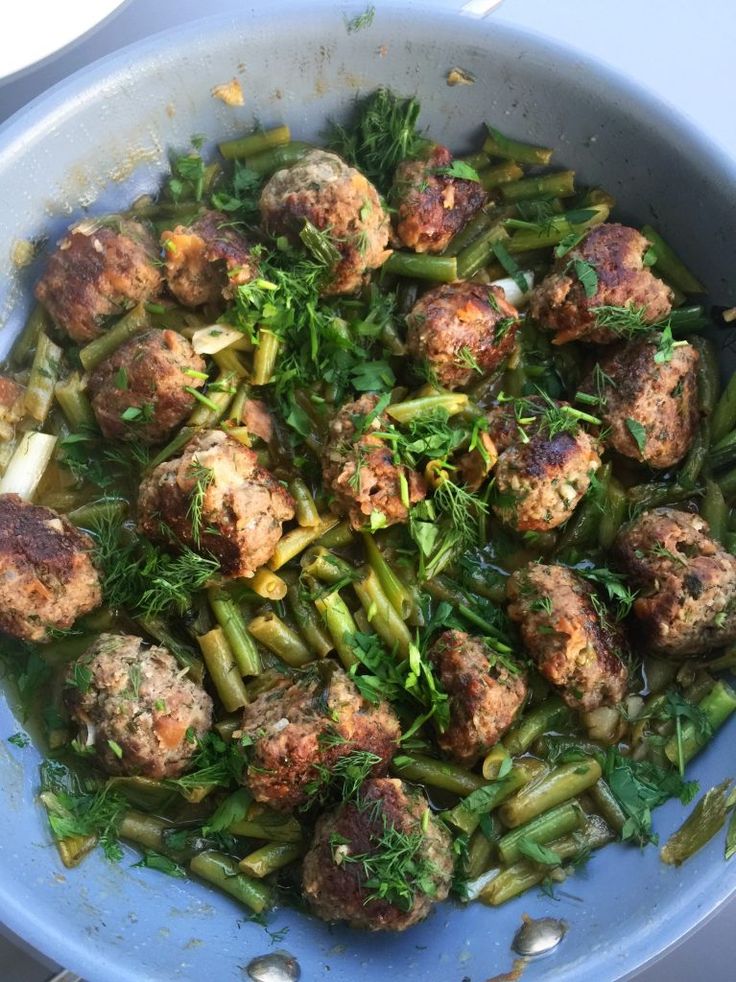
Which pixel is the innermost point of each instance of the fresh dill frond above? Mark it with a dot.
(78, 807)
(613, 584)
(360, 21)
(344, 776)
(625, 322)
(202, 477)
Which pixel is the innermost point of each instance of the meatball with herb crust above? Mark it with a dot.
(541, 479)
(140, 392)
(648, 401)
(336, 199)
(100, 269)
(358, 468)
(379, 862)
(218, 500)
(569, 634)
(485, 695)
(298, 732)
(136, 707)
(432, 203)
(47, 578)
(686, 582)
(206, 261)
(584, 297)
(462, 332)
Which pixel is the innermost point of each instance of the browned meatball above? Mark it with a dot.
(359, 838)
(207, 260)
(306, 724)
(614, 253)
(140, 392)
(241, 505)
(432, 206)
(12, 406)
(462, 331)
(687, 582)
(359, 469)
(99, 270)
(573, 643)
(47, 579)
(136, 708)
(484, 695)
(323, 190)
(539, 483)
(661, 396)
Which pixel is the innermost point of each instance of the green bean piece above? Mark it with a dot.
(38, 323)
(549, 825)
(687, 320)
(498, 145)
(44, 373)
(437, 774)
(560, 184)
(255, 143)
(325, 566)
(104, 510)
(642, 497)
(511, 882)
(290, 545)
(213, 406)
(705, 820)
(340, 626)
(306, 619)
(337, 537)
(451, 402)
(229, 617)
(220, 662)
(466, 815)
(145, 830)
(269, 858)
(697, 456)
(562, 782)
(714, 510)
(264, 823)
(614, 513)
(264, 360)
(563, 744)
(399, 595)
(551, 715)
(420, 266)
(607, 806)
(306, 511)
(285, 155)
(582, 529)
(709, 375)
(717, 706)
(723, 454)
(481, 851)
(267, 584)
(478, 224)
(74, 403)
(178, 442)
(476, 160)
(184, 655)
(727, 484)
(270, 631)
(670, 265)
(222, 871)
(475, 255)
(381, 614)
(500, 174)
(494, 761)
(554, 229)
(132, 323)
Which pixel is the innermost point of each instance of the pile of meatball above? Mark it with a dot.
(134, 706)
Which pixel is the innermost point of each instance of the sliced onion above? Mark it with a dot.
(213, 338)
(27, 465)
(511, 289)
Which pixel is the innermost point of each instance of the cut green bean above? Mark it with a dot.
(271, 857)
(551, 715)
(705, 820)
(560, 184)
(714, 510)
(255, 143)
(475, 255)
(607, 806)
(132, 323)
(554, 229)
(642, 497)
(340, 626)
(481, 850)
(306, 619)
(337, 537)
(687, 320)
(466, 815)
(263, 823)
(562, 782)
(145, 830)
(437, 774)
(499, 175)
(91, 515)
(285, 155)
(717, 706)
(38, 323)
(296, 541)
(45, 370)
(549, 825)
(264, 359)
(476, 160)
(450, 402)
(325, 566)
(74, 403)
(184, 655)
(498, 145)
(306, 511)
(582, 529)
(213, 406)
(270, 631)
(494, 761)
(265, 583)
(420, 266)
(670, 265)
(482, 221)
(399, 595)
(228, 616)
(709, 375)
(381, 614)
(181, 439)
(723, 454)
(222, 871)
(614, 513)
(220, 662)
